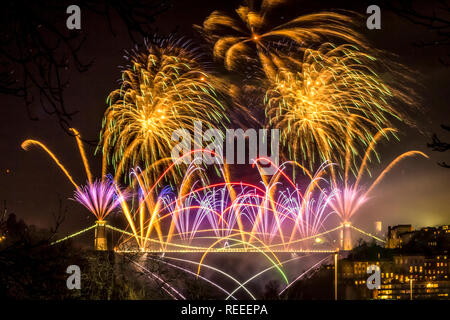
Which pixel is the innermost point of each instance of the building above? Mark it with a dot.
(428, 277)
(414, 264)
(399, 235)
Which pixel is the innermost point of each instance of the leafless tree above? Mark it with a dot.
(440, 146)
(38, 52)
(432, 15)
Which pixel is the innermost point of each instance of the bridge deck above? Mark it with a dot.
(228, 250)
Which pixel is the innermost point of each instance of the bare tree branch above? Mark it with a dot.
(38, 52)
(440, 146)
(437, 20)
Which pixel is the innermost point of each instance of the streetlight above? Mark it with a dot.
(335, 273)
(410, 288)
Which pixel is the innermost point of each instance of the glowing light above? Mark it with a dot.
(99, 197)
(351, 196)
(255, 219)
(27, 143)
(163, 91)
(334, 99)
(248, 37)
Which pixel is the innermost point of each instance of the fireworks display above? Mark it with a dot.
(351, 196)
(256, 218)
(315, 80)
(166, 88)
(100, 197)
(277, 216)
(249, 38)
(334, 100)
(326, 104)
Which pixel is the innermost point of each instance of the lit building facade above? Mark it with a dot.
(428, 277)
(398, 235)
(404, 272)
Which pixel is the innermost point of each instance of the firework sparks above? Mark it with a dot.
(249, 37)
(99, 197)
(335, 100)
(26, 145)
(351, 196)
(255, 218)
(165, 89)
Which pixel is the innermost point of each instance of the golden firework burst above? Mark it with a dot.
(335, 100)
(164, 89)
(250, 37)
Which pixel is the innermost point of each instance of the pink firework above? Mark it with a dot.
(99, 197)
(347, 201)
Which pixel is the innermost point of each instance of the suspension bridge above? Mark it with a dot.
(162, 255)
(100, 242)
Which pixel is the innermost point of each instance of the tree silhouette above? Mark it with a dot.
(440, 146)
(38, 52)
(434, 17)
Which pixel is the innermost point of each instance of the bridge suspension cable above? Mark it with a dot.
(368, 234)
(190, 249)
(73, 235)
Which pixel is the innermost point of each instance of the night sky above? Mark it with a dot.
(416, 191)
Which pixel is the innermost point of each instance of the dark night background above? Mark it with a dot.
(416, 191)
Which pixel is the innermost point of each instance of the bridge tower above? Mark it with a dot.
(101, 242)
(346, 237)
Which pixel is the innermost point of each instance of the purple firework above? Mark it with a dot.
(99, 197)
